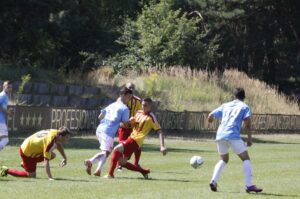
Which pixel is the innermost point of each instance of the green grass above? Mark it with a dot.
(275, 161)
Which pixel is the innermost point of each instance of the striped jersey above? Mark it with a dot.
(134, 105)
(143, 125)
(40, 144)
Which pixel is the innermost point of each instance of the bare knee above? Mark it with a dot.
(31, 174)
(225, 158)
(244, 156)
(122, 161)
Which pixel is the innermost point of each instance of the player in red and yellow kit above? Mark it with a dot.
(134, 105)
(143, 122)
(37, 148)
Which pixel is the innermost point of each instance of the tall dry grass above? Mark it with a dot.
(178, 88)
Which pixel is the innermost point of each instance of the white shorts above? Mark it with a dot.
(238, 146)
(106, 142)
(3, 129)
(3, 142)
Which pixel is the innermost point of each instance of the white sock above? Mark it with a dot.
(96, 158)
(248, 172)
(101, 162)
(217, 171)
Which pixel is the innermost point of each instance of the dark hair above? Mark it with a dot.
(148, 100)
(125, 91)
(63, 131)
(239, 93)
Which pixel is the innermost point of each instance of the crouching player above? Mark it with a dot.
(143, 122)
(37, 148)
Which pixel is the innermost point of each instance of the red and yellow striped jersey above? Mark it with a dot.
(40, 144)
(143, 123)
(134, 105)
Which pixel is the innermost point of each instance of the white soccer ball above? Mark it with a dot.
(196, 161)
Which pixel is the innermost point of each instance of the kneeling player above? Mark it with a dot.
(143, 122)
(37, 148)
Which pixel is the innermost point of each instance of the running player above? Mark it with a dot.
(134, 105)
(37, 148)
(111, 117)
(228, 136)
(143, 122)
(4, 98)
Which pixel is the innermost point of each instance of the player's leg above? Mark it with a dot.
(3, 142)
(240, 149)
(224, 158)
(116, 155)
(107, 144)
(96, 158)
(29, 164)
(137, 155)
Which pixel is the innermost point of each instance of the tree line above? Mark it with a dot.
(260, 37)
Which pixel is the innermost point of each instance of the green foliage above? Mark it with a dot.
(25, 80)
(162, 36)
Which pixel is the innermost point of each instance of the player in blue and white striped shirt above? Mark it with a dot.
(232, 115)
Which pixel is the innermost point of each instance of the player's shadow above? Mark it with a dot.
(278, 195)
(263, 141)
(75, 180)
(155, 179)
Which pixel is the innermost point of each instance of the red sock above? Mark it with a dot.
(114, 161)
(133, 167)
(137, 155)
(17, 173)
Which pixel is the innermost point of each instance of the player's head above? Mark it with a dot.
(64, 134)
(7, 86)
(239, 93)
(130, 86)
(147, 105)
(125, 95)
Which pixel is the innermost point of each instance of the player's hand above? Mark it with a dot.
(163, 150)
(63, 163)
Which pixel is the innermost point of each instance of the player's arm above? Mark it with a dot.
(101, 116)
(61, 150)
(47, 168)
(247, 122)
(210, 118)
(163, 149)
(217, 113)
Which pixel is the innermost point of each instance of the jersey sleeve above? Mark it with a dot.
(247, 113)
(218, 112)
(125, 115)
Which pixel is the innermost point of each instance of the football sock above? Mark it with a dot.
(137, 155)
(17, 173)
(217, 171)
(113, 162)
(248, 172)
(101, 162)
(96, 158)
(133, 167)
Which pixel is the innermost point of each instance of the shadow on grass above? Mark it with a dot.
(278, 195)
(75, 180)
(155, 179)
(263, 141)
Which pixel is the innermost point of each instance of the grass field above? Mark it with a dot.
(275, 158)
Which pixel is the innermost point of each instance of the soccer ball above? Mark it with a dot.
(196, 161)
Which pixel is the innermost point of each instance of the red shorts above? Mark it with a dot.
(130, 146)
(124, 134)
(29, 163)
